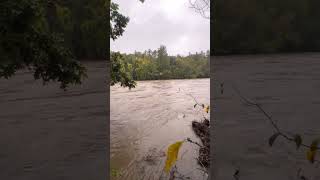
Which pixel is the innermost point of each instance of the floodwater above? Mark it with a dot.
(145, 120)
(287, 86)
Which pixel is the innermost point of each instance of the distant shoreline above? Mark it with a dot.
(171, 79)
(92, 60)
(264, 53)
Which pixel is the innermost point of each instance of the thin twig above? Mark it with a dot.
(251, 103)
(204, 168)
(189, 140)
(201, 9)
(195, 100)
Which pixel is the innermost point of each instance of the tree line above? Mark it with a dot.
(157, 64)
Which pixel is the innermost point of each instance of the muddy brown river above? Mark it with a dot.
(145, 120)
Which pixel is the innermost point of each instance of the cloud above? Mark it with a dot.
(162, 22)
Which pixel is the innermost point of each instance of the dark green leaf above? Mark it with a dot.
(273, 138)
(298, 140)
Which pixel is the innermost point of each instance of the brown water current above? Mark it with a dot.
(147, 119)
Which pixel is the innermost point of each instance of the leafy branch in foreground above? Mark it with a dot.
(297, 139)
(118, 72)
(26, 42)
(117, 25)
(117, 21)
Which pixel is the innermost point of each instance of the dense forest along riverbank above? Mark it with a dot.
(147, 119)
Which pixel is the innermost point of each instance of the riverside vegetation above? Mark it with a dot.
(157, 64)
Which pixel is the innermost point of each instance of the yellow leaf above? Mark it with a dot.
(312, 151)
(314, 145)
(207, 109)
(172, 155)
(311, 155)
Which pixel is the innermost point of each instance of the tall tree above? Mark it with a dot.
(163, 60)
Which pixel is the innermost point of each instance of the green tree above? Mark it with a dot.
(163, 61)
(26, 42)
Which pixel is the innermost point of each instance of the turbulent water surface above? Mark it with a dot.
(147, 119)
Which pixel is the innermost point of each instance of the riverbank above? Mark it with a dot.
(202, 130)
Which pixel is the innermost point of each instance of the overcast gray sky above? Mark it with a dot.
(162, 22)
